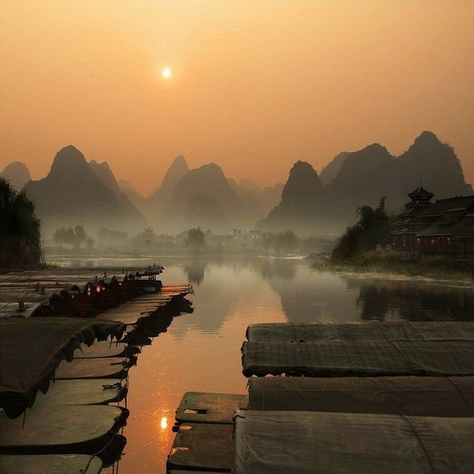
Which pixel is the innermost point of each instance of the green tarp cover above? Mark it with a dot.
(362, 358)
(310, 443)
(397, 331)
(32, 348)
(416, 396)
(50, 464)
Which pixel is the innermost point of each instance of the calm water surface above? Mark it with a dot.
(201, 351)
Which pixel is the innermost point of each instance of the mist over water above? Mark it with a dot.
(201, 351)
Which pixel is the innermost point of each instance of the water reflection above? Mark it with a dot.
(201, 351)
(414, 301)
(307, 295)
(195, 269)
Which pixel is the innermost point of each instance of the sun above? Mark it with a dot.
(166, 73)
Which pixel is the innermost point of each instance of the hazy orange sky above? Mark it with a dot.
(256, 84)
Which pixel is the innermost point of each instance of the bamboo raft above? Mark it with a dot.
(80, 337)
(370, 391)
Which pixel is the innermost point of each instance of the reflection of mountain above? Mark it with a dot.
(269, 289)
(415, 302)
(227, 286)
(307, 295)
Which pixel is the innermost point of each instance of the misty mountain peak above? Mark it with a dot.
(178, 168)
(180, 161)
(374, 149)
(211, 170)
(302, 173)
(104, 165)
(331, 170)
(68, 161)
(17, 174)
(427, 138)
(303, 184)
(105, 174)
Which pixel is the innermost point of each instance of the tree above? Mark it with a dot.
(64, 235)
(195, 239)
(286, 241)
(373, 227)
(147, 235)
(20, 230)
(69, 236)
(110, 236)
(79, 236)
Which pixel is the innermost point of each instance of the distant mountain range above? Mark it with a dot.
(203, 197)
(79, 192)
(363, 177)
(76, 192)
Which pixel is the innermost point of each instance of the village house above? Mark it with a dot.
(444, 227)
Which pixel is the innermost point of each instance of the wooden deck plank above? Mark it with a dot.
(200, 407)
(203, 446)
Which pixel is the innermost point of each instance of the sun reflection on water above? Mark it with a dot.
(164, 422)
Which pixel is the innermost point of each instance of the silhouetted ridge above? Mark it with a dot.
(204, 197)
(73, 194)
(303, 186)
(363, 171)
(331, 170)
(364, 176)
(300, 200)
(17, 174)
(67, 162)
(106, 175)
(178, 168)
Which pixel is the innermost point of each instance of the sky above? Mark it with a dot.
(255, 85)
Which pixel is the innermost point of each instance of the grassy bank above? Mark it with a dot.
(394, 264)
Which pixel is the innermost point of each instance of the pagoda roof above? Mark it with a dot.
(420, 192)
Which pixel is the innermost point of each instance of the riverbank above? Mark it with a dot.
(394, 267)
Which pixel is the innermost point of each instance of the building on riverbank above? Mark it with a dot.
(444, 227)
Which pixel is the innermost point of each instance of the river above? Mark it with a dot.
(201, 351)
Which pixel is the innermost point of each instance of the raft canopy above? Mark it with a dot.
(57, 463)
(311, 442)
(414, 396)
(376, 331)
(358, 359)
(32, 348)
